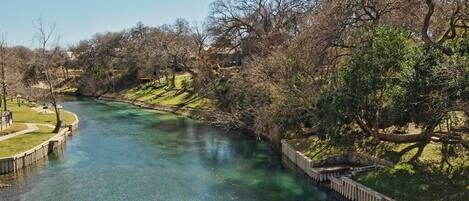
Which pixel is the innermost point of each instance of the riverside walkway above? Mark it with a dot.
(30, 128)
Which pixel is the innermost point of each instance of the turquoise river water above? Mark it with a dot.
(122, 152)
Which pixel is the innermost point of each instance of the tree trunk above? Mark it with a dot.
(166, 78)
(173, 78)
(58, 124)
(67, 73)
(4, 88)
(398, 138)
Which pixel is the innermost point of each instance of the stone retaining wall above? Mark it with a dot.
(73, 126)
(19, 161)
(341, 184)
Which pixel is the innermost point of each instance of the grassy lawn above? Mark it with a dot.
(160, 94)
(407, 182)
(21, 143)
(15, 127)
(25, 114)
(422, 180)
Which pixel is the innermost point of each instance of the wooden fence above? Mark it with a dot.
(355, 191)
(341, 184)
(306, 164)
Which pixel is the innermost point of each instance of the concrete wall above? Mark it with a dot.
(73, 126)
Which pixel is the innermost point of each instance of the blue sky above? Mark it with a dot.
(80, 19)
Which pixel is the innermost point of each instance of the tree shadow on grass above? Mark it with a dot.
(407, 181)
(398, 156)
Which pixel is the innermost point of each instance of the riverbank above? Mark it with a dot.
(165, 152)
(387, 180)
(144, 96)
(336, 171)
(177, 100)
(24, 147)
(299, 159)
(195, 114)
(403, 178)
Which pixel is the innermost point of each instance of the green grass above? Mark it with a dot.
(24, 114)
(406, 182)
(67, 91)
(423, 179)
(21, 143)
(163, 95)
(314, 148)
(404, 152)
(15, 127)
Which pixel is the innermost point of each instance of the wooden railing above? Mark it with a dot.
(306, 164)
(341, 184)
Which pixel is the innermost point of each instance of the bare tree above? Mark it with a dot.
(3, 57)
(200, 36)
(177, 46)
(44, 37)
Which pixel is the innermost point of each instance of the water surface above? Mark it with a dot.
(123, 152)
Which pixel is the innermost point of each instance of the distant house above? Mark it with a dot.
(224, 57)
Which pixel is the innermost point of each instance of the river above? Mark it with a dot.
(122, 152)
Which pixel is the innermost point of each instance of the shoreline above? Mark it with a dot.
(338, 184)
(200, 115)
(27, 158)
